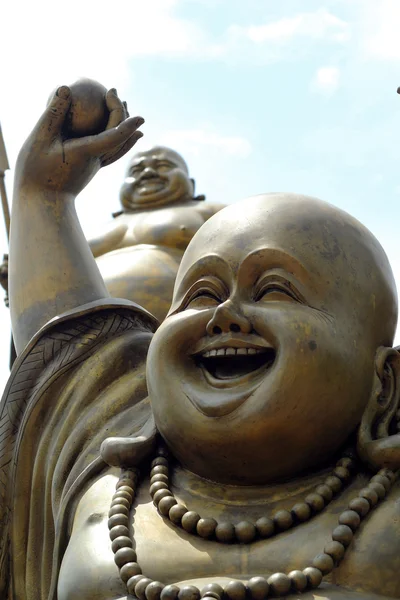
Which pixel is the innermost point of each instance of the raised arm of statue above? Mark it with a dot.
(52, 269)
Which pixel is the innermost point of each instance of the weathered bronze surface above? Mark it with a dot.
(140, 251)
(274, 362)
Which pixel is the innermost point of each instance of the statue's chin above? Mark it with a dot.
(153, 198)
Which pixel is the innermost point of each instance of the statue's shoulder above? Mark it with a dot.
(373, 561)
(208, 209)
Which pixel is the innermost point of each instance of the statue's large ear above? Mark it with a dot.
(378, 441)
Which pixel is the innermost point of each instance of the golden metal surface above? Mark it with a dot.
(140, 250)
(275, 357)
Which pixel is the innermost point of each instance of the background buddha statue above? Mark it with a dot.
(249, 449)
(139, 253)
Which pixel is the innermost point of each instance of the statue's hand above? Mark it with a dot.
(49, 162)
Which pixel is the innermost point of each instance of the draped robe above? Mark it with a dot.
(80, 380)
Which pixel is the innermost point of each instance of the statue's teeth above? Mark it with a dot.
(213, 352)
(221, 352)
(251, 351)
(241, 351)
(230, 351)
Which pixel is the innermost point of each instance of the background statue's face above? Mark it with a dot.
(156, 178)
(266, 362)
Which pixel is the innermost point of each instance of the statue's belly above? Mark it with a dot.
(144, 274)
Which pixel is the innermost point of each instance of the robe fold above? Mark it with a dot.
(80, 380)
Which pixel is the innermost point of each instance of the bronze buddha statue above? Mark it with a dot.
(248, 449)
(139, 253)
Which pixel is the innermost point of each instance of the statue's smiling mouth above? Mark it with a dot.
(229, 363)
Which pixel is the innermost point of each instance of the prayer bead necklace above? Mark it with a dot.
(257, 588)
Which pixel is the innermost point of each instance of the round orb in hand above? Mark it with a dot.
(88, 113)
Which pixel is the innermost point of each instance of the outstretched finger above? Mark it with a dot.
(116, 108)
(110, 140)
(108, 159)
(51, 122)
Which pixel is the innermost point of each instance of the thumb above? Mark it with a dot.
(51, 122)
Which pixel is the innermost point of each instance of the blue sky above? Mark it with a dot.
(258, 96)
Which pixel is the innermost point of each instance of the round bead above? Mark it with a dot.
(132, 582)
(161, 494)
(336, 550)
(160, 477)
(369, 495)
(225, 532)
(122, 501)
(128, 478)
(118, 509)
(347, 463)
(118, 531)
(205, 527)
(159, 485)
(383, 480)
(342, 473)
(140, 588)
(314, 576)
(265, 527)
(298, 580)
(360, 506)
(160, 460)
(235, 590)
(153, 590)
(117, 520)
(211, 596)
(189, 521)
(387, 473)
(258, 587)
(245, 532)
(325, 491)
(378, 488)
(170, 592)
(176, 513)
(123, 556)
(125, 495)
(316, 502)
(323, 562)
(283, 520)
(342, 534)
(350, 518)
(165, 505)
(212, 588)
(301, 512)
(124, 488)
(279, 584)
(121, 542)
(129, 570)
(189, 592)
(125, 482)
(159, 470)
(334, 483)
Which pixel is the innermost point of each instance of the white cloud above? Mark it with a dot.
(320, 24)
(381, 26)
(326, 80)
(192, 140)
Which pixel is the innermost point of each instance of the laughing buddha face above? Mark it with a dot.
(266, 360)
(154, 178)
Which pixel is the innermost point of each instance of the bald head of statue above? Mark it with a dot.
(278, 344)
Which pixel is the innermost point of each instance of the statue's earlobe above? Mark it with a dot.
(130, 451)
(378, 442)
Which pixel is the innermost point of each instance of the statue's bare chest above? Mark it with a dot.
(172, 226)
(168, 554)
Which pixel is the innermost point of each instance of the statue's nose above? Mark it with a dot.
(227, 317)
